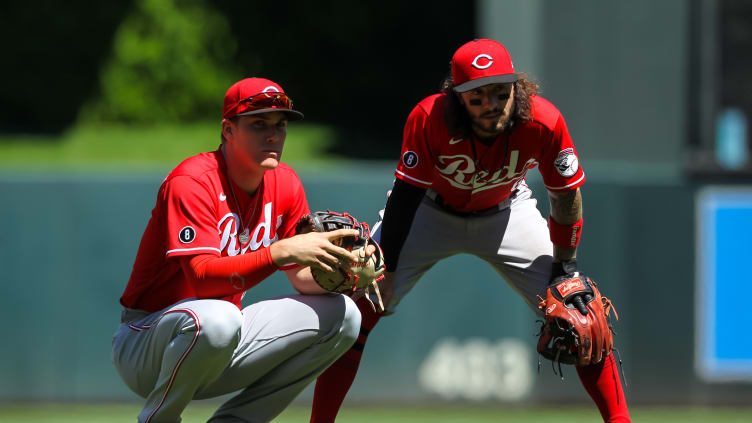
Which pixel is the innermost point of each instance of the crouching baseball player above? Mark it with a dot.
(460, 188)
(223, 222)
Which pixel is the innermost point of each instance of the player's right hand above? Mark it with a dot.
(315, 249)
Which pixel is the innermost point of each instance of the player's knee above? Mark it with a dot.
(323, 318)
(351, 319)
(220, 326)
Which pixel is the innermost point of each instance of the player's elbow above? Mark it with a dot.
(564, 195)
(194, 267)
(302, 280)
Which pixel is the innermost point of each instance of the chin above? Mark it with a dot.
(492, 129)
(502, 125)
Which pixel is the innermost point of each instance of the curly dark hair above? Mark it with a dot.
(458, 121)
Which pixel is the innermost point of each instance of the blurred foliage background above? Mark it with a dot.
(169, 61)
(350, 66)
(52, 60)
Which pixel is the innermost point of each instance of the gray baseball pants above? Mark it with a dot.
(200, 349)
(514, 241)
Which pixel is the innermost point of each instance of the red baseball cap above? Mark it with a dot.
(252, 96)
(479, 63)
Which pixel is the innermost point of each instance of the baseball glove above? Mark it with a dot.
(576, 327)
(361, 274)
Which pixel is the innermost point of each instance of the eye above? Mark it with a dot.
(504, 96)
(260, 123)
(475, 102)
(282, 124)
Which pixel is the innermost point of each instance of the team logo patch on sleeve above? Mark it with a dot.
(187, 234)
(410, 159)
(566, 163)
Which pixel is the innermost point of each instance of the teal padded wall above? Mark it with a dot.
(68, 241)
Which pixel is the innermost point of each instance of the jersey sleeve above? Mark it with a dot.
(298, 207)
(191, 224)
(415, 165)
(559, 163)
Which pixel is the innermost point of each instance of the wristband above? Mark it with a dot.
(565, 236)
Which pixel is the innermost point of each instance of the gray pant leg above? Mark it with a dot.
(286, 343)
(432, 237)
(520, 250)
(168, 356)
(515, 242)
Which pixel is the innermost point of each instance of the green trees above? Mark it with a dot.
(171, 60)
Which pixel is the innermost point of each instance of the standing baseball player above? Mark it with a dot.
(223, 222)
(460, 188)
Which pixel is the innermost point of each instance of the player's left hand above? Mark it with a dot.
(565, 270)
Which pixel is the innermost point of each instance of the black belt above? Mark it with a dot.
(439, 201)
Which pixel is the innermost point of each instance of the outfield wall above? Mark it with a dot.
(67, 243)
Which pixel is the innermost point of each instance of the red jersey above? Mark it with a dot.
(474, 180)
(196, 213)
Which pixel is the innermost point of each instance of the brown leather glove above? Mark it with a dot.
(576, 329)
(361, 274)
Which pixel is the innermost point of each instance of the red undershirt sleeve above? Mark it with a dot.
(214, 277)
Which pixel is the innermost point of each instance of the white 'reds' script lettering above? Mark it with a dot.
(228, 231)
(460, 171)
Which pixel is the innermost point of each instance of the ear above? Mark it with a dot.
(226, 127)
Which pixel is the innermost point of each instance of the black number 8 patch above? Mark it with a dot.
(410, 159)
(187, 235)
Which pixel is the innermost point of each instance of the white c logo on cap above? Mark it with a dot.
(487, 65)
(272, 88)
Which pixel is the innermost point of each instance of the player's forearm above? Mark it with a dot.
(213, 276)
(566, 209)
(398, 218)
(563, 254)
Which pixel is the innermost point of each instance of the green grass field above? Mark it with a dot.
(103, 147)
(199, 412)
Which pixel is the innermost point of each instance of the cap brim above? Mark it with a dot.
(496, 79)
(291, 114)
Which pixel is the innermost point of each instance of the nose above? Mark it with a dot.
(492, 101)
(274, 135)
